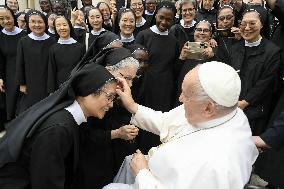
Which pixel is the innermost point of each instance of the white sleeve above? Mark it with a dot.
(158, 122)
(145, 180)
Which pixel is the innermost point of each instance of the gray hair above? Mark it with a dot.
(193, 2)
(201, 95)
(128, 62)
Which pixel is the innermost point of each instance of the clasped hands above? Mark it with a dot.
(138, 162)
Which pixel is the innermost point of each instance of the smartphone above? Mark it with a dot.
(225, 33)
(196, 50)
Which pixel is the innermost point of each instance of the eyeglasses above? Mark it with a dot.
(204, 30)
(188, 10)
(110, 97)
(136, 5)
(128, 78)
(251, 24)
(227, 17)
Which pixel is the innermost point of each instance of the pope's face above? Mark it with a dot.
(192, 105)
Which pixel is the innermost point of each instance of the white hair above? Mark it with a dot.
(128, 62)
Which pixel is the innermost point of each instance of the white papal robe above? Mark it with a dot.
(217, 154)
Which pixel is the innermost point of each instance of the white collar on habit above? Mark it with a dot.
(253, 44)
(218, 121)
(187, 26)
(80, 27)
(77, 113)
(51, 31)
(126, 39)
(98, 32)
(41, 38)
(148, 13)
(66, 41)
(157, 31)
(143, 21)
(14, 32)
(108, 22)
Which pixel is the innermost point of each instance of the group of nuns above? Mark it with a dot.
(49, 63)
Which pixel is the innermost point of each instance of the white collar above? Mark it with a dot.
(77, 113)
(126, 39)
(41, 38)
(143, 21)
(66, 41)
(98, 32)
(187, 26)
(44, 13)
(157, 31)
(108, 22)
(80, 27)
(14, 32)
(148, 13)
(253, 44)
(51, 31)
(216, 122)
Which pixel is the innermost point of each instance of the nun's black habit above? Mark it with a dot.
(41, 147)
(100, 156)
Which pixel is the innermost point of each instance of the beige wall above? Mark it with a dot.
(34, 3)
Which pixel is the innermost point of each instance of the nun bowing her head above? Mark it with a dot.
(94, 89)
(120, 63)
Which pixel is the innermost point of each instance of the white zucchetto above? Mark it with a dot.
(221, 82)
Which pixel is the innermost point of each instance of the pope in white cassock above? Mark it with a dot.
(206, 142)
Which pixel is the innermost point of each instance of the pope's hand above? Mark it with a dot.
(138, 162)
(125, 96)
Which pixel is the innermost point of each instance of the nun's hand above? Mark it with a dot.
(23, 89)
(124, 93)
(128, 132)
(184, 51)
(237, 33)
(2, 86)
(213, 43)
(138, 162)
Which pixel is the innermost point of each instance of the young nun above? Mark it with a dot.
(141, 54)
(125, 26)
(32, 61)
(22, 24)
(105, 10)
(50, 20)
(184, 30)
(60, 62)
(95, 21)
(80, 27)
(258, 61)
(159, 78)
(41, 147)
(207, 12)
(104, 41)
(150, 8)
(9, 38)
(104, 143)
(138, 9)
